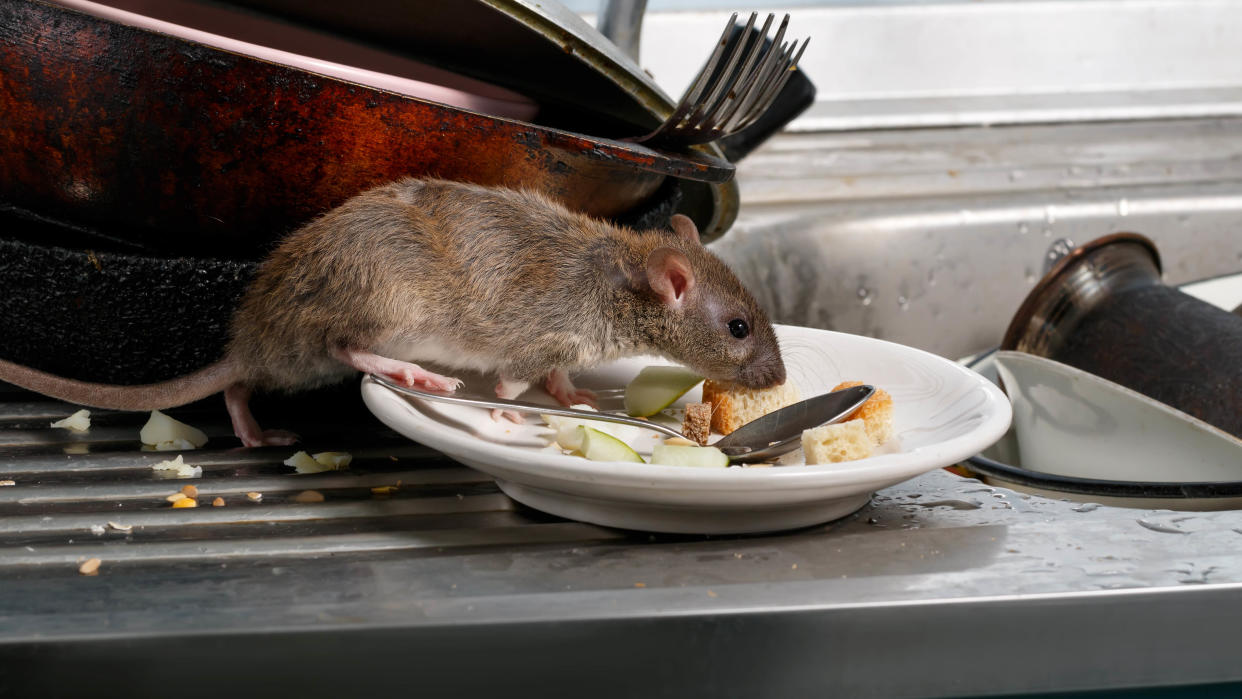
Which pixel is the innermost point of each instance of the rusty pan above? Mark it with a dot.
(181, 148)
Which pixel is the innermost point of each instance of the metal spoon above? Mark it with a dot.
(776, 433)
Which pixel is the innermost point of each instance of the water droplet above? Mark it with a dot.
(1015, 175)
(1087, 507)
(1183, 219)
(1030, 276)
(1123, 207)
(1121, 169)
(1050, 214)
(1023, 228)
(1073, 170)
(903, 303)
(1047, 232)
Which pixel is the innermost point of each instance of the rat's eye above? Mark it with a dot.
(739, 328)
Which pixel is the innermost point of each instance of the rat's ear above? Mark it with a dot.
(685, 228)
(670, 276)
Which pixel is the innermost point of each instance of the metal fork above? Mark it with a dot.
(724, 99)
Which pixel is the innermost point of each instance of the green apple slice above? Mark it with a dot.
(676, 455)
(601, 446)
(657, 387)
(569, 437)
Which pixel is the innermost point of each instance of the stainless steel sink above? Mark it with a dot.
(932, 237)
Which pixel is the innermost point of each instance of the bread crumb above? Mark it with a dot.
(384, 490)
(176, 497)
(186, 502)
(8, 482)
(189, 491)
(308, 496)
(876, 413)
(90, 567)
(252, 496)
(218, 502)
(697, 424)
(841, 441)
(121, 527)
(733, 406)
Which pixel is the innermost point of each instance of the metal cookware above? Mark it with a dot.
(1103, 308)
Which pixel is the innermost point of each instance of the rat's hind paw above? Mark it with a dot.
(510, 415)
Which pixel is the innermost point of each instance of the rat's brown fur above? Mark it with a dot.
(496, 279)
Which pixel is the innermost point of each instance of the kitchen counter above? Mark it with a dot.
(941, 586)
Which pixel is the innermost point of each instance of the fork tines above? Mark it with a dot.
(726, 98)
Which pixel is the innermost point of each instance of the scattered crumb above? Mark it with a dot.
(384, 490)
(7, 483)
(180, 467)
(186, 502)
(90, 567)
(77, 448)
(336, 460)
(711, 593)
(307, 496)
(190, 491)
(77, 422)
(218, 502)
(174, 445)
(98, 529)
(161, 428)
(252, 496)
(176, 497)
(121, 527)
(794, 566)
(640, 584)
(304, 463)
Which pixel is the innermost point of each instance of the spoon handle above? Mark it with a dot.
(525, 407)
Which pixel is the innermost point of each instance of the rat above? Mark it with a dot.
(504, 281)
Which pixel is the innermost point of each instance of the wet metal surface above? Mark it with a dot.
(933, 237)
(444, 568)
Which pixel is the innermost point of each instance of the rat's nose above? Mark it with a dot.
(763, 374)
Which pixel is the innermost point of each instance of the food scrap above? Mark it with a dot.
(90, 567)
(218, 502)
(734, 406)
(304, 463)
(308, 496)
(179, 467)
(161, 429)
(185, 502)
(77, 422)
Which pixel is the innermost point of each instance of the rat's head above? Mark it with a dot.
(707, 319)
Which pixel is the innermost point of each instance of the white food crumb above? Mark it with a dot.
(77, 422)
(98, 529)
(182, 469)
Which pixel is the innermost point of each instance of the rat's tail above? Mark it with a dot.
(212, 378)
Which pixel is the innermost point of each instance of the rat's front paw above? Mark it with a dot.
(510, 415)
(563, 390)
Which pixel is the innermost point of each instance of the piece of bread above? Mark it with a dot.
(697, 424)
(839, 441)
(734, 406)
(877, 412)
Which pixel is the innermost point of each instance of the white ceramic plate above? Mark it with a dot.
(942, 414)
